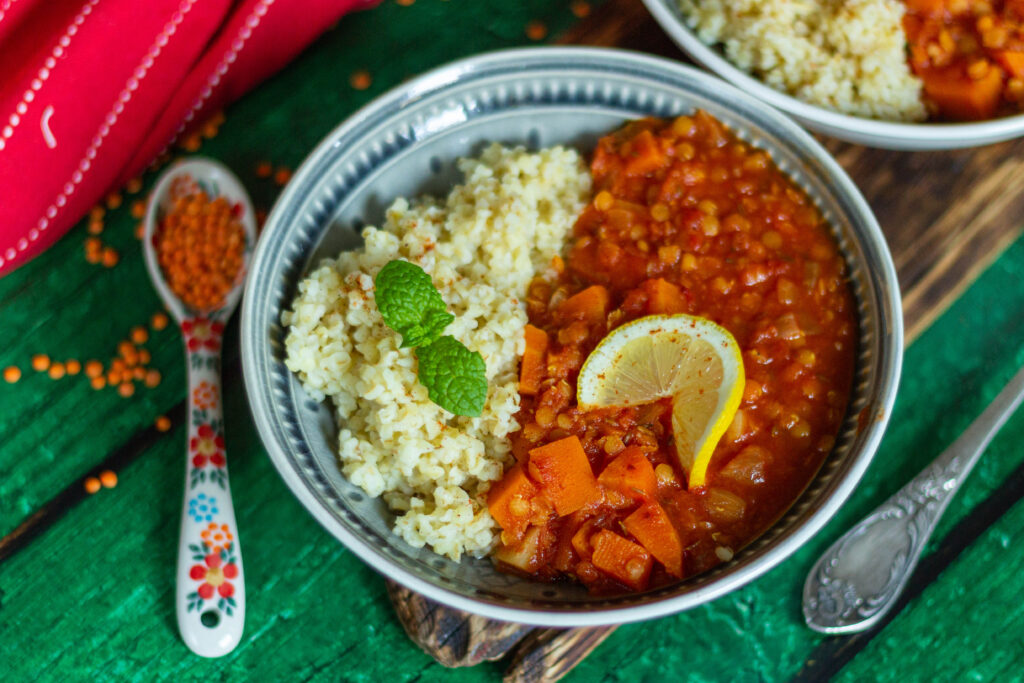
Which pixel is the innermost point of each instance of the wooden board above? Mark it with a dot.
(86, 582)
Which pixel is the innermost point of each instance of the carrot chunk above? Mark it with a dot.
(508, 501)
(663, 297)
(621, 559)
(531, 369)
(647, 155)
(1012, 61)
(651, 526)
(591, 304)
(630, 474)
(962, 97)
(563, 471)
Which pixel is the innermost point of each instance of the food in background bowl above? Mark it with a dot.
(895, 60)
(690, 224)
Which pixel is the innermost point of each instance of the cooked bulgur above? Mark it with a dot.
(482, 246)
(845, 55)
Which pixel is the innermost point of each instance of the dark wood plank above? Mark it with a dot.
(452, 637)
(946, 215)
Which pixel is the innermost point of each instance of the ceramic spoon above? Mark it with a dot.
(210, 597)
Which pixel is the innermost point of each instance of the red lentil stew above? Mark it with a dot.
(686, 219)
(969, 54)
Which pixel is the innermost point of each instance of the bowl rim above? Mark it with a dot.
(873, 132)
(436, 80)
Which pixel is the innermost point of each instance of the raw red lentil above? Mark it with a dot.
(163, 423)
(98, 382)
(264, 169)
(158, 321)
(12, 374)
(199, 245)
(40, 362)
(92, 485)
(73, 367)
(108, 478)
(282, 176)
(110, 257)
(152, 378)
(126, 388)
(139, 335)
(113, 200)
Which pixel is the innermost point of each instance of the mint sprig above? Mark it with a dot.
(454, 376)
(410, 304)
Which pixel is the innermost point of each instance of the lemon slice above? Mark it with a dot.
(692, 360)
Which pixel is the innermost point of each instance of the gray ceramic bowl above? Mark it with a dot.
(887, 134)
(406, 143)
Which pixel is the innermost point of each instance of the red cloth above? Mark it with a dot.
(93, 90)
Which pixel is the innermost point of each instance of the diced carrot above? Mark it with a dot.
(630, 474)
(621, 559)
(961, 97)
(581, 539)
(646, 156)
(1012, 61)
(591, 304)
(531, 370)
(529, 554)
(663, 297)
(651, 526)
(564, 474)
(509, 501)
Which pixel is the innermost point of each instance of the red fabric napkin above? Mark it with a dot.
(93, 90)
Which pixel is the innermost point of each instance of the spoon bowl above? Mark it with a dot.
(210, 596)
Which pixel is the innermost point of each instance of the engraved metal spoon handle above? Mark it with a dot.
(858, 579)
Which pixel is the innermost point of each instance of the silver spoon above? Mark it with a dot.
(210, 596)
(859, 579)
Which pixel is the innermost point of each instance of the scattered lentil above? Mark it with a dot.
(264, 169)
(163, 423)
(159, 320)
(40, 362)
(12, 374)
(96, 213)
(152, 378)
(113, 200)
(98, 382)
(93, 368)
(144, 357)
(73, 367)
(282, 175)
(126, 389)
(139, 335)
(134, 185)
(360, 80)
(536, 30)
(138, 208)
(110, 257)
(57, 370)
(140, 231)
(95, 227)
(192, 142)
(580, 9)
(108, 478)
(92, 485)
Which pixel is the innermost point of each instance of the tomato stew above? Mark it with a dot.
(686, 219)
(970, 55)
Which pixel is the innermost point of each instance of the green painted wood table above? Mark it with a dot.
(87, 579)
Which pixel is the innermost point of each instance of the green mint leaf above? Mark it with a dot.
(409, 303)
(427, 332)
(454, 376)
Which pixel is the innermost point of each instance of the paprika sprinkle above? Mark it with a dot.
(199, 245)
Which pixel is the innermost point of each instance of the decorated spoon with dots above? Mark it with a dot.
(197, 249)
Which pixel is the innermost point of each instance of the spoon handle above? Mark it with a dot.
(210, 597)
(861, 576)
